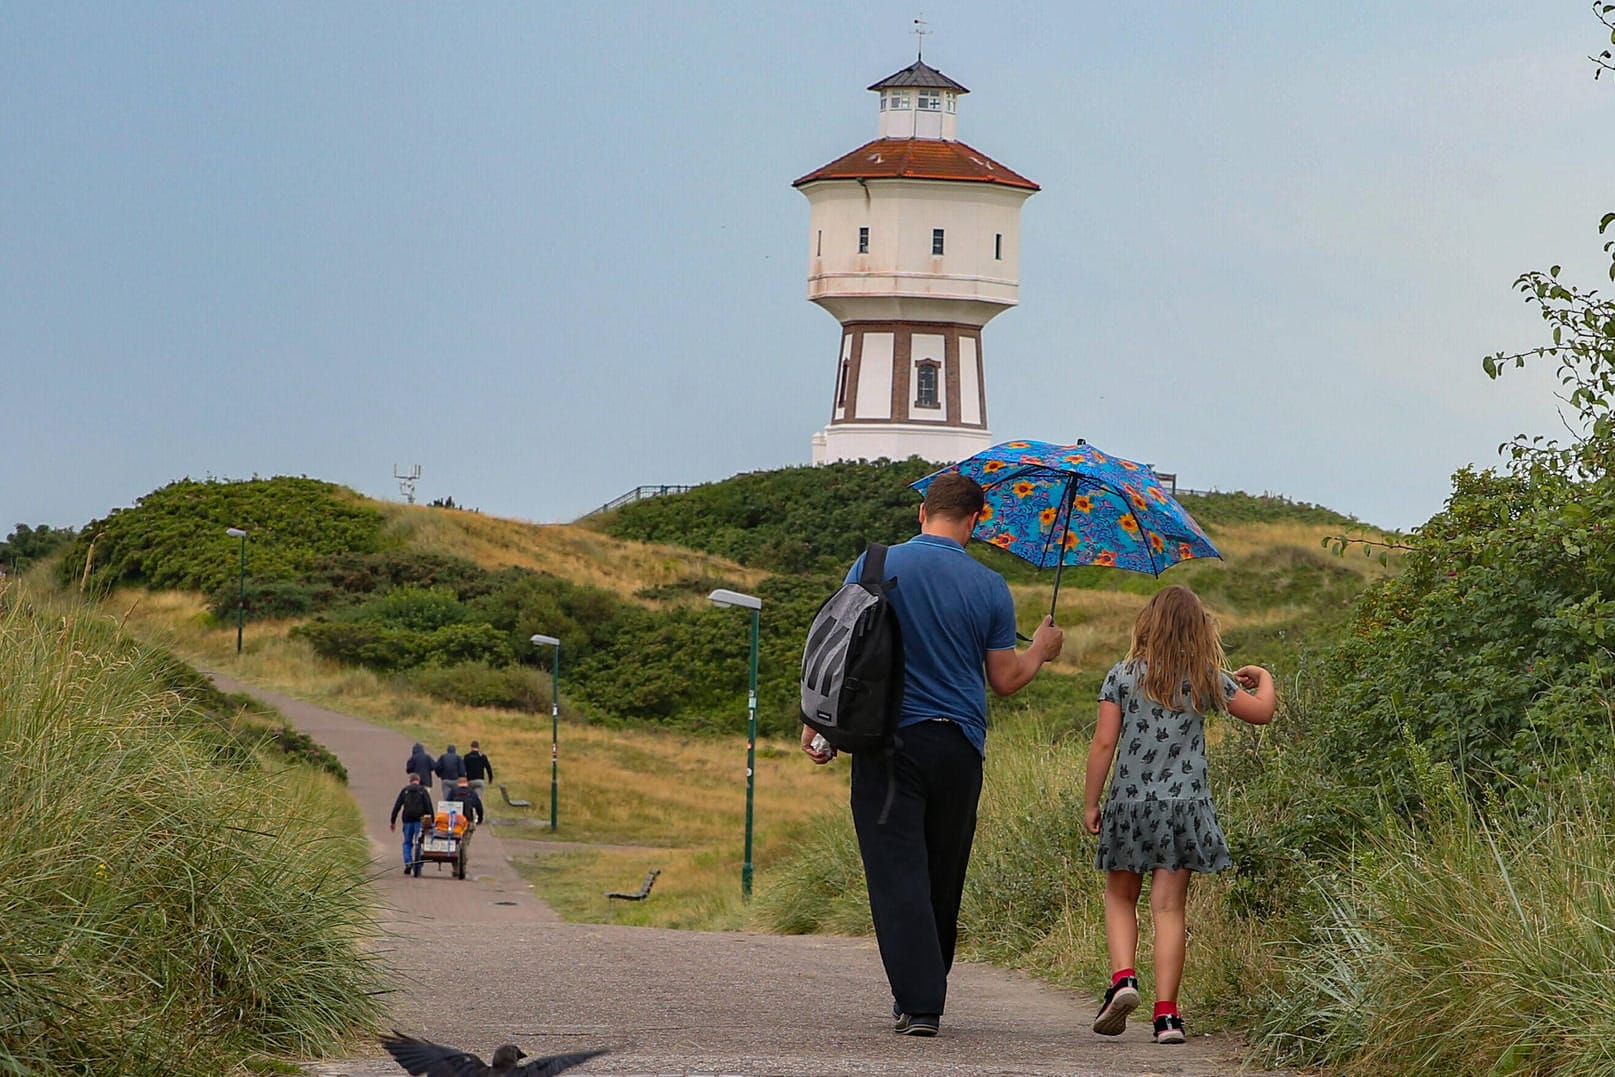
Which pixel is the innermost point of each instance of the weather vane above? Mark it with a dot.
(919, 32)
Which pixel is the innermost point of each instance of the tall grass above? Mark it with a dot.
(170, 908)
(579, 554)
(1471, 942)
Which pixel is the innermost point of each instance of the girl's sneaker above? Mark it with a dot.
(1169, 1029)
(1120, 1000)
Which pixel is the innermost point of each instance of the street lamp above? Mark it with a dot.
(724, 597)
(555, 723)
(241, 584)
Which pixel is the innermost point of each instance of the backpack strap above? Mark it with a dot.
(875, 568)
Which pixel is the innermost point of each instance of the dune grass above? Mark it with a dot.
(171, 908)
(1470, 942)
(579, 554)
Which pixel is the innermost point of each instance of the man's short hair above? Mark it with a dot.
(475, 744)
(954, 495)
(416, 778)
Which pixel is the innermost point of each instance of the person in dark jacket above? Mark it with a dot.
(478, 769)
(470, 800)
(414, 803)
(421, 763)
(450, 767)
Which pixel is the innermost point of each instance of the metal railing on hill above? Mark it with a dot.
(638, 493)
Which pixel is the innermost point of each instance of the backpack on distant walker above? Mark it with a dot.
(852, 666)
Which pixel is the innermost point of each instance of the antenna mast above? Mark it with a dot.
(920, 33)
(406, 482)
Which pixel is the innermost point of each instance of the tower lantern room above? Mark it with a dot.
(914, 245)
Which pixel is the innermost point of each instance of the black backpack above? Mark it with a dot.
(852, 666)
(417, 802)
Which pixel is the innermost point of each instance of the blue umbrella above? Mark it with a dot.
(1057, 505)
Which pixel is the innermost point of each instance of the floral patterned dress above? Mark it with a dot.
(1158, 813)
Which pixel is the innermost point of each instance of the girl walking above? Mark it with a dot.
(1159, 817)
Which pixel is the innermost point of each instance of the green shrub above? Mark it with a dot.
(382, 647)
(27, 545)
(478, 684)
(267, 597)
(791, 520)
(1492, 647)
(174, 537)
(358, 574)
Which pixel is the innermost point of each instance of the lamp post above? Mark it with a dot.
(723, 597)
(555, 723)
(241, 584)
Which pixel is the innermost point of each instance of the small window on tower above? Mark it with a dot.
(820, 251)
(998, 246)
(951, 100)
(896, 99)
(863, 241)
(936, 241)
(925, 374)
(930, 101)
(841, 385)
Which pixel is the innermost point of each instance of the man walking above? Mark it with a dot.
(478, 769)
(450, 767)
(414, 803)
(958, 623)
(421, 764)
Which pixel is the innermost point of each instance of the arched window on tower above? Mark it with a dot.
(925, 383)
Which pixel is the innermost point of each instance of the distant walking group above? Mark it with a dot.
(914, 804)
(463, 777)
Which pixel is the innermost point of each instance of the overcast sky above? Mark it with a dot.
(549, 252)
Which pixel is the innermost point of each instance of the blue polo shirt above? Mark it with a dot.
(953, 610)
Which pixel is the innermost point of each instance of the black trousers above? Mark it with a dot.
(915, 861)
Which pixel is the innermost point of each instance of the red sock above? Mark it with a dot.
(1164, 1008)
(1116, 978)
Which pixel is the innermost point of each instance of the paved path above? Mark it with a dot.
(683, 1002)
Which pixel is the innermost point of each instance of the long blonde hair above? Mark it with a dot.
(1182, 651)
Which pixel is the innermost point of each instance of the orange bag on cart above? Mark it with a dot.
(450, 820)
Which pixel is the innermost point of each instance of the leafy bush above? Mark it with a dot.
(790, 520)
(380, 646)
(477, 684)
(1238, 507)
(26, 545)
(174, 537)
(358, 574)
(261, 597)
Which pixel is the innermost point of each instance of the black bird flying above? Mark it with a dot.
(428, 1059)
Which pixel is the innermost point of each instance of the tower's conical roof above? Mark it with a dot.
(921, 74)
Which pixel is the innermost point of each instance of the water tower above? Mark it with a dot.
(914, 245)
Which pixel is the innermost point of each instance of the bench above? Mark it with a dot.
(644, 888)
(514, 803)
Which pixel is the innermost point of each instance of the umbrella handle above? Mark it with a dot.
(1059, 566)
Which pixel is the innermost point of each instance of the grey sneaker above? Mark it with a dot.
(917, 1024)
(1121, 1000)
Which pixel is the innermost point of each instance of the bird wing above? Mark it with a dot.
(554, 1064)
(428, 1059)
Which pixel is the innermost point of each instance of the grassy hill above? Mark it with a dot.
(425, 624)
(446, 600)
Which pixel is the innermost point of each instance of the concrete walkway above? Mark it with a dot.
(484, 962)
